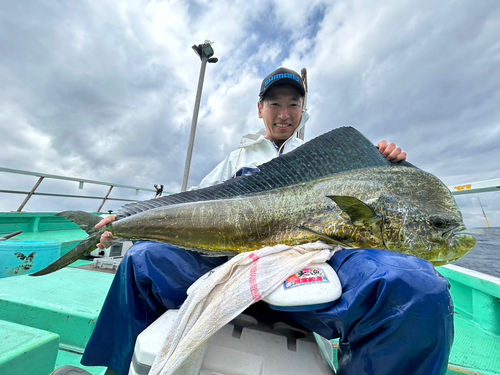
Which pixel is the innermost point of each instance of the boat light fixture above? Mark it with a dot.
(206, 51)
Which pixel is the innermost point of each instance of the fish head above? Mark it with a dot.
(423, 220)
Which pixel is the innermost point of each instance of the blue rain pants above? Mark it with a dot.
(395, 315)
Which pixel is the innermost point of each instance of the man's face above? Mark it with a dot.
(281, 111)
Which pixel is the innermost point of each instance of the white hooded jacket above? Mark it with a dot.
(254, 150)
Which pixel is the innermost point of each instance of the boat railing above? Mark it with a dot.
(81, 181)
(476, 187)
(468, 188)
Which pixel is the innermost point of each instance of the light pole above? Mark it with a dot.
(205, 52)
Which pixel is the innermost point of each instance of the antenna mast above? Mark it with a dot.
(487, 222)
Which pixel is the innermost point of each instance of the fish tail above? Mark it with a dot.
(84, 248)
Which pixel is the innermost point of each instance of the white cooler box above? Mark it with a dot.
(245, 346)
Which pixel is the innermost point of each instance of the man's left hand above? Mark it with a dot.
(391, 152)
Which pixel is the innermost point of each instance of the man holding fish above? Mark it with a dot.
(395, 315)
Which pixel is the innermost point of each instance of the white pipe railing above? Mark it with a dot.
(476, 187)
(81, 181)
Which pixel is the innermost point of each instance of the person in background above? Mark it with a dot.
(159, 191)
(395, 315)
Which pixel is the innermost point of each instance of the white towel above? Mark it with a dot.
(218, 299)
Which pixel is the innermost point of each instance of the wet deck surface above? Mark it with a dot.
(91, 267)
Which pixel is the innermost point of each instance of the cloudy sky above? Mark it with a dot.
(104, 90)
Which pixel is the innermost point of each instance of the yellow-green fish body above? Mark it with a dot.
(401, 206)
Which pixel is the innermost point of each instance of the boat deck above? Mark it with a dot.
(42, 226)
(65, 304)
(476, 349)
(60, 311)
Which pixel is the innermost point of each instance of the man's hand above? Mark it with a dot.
(106, 238)
(391, 151)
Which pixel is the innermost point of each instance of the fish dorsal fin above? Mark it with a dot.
(339, 150)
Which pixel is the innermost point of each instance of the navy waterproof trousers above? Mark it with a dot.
(395, 315)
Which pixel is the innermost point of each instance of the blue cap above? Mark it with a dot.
(282, 76)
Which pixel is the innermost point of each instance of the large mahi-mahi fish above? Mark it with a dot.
(337, 188)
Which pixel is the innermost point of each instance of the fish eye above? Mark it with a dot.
(438, 222)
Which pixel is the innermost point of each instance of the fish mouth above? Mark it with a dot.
(454, 231)
(462, 244)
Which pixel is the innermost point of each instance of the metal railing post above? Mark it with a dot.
(105, 198)
(42, 176)
(30, 194)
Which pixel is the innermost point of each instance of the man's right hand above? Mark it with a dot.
(106, 238)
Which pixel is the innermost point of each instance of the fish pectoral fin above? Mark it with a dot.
(325, 237)
(360, 213)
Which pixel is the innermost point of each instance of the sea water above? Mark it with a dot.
(485, 257)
